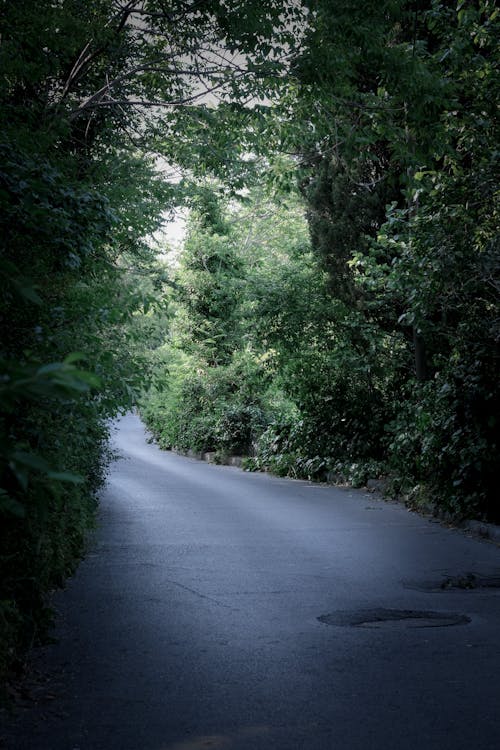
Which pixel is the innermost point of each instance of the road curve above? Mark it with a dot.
(223, 610)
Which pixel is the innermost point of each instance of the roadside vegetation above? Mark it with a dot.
(333, 313)
(343, 322)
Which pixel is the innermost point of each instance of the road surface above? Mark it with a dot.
(219, 609)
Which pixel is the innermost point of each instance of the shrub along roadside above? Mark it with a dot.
(54, 459)
(220, 408)
(259, 351)
(68, 361)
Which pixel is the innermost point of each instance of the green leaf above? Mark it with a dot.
(66, 476)
(9, 505)
(74, 357)
(31, 460)
(28, 293)
(50, 368)
(88, 378)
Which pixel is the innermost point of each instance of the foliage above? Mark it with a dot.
(383, 334)
(80, 96)
(82, 89)
(63, 295)
(207, 408)
(393, 114)
(214, 387)
(362, 341)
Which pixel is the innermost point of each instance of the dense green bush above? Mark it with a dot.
(284, 448)
(70, 241)
(379, 325)
(443, 446)
(208, 408)
(44, 538)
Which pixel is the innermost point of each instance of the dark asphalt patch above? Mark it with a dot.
(389, 618)
(461, 582)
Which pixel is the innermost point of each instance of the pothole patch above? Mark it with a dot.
(461, 582)
(393, 618)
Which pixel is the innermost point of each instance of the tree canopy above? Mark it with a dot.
(334, 310)
(92, 93)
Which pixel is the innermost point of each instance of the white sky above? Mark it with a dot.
(174, 232)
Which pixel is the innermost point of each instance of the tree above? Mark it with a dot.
(216, 383)
(86, 89)
(396, 134)
(388, 116)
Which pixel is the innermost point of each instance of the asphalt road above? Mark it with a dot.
(219, 609)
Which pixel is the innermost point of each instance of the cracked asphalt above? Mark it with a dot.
(218, 609)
